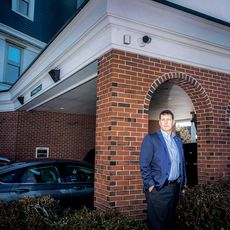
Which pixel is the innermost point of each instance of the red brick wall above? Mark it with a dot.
(126, 83)
(153, 126)
(8, 134)
(67, 135)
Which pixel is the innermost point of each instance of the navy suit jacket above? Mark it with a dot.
(155, 161)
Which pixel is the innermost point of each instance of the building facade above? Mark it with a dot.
(25, 29)
(103, 79)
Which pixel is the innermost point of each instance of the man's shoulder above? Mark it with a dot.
(153, 135)
(177, 138)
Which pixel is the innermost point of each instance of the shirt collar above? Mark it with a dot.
(166, 135)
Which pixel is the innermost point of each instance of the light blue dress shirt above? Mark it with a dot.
(174, 155)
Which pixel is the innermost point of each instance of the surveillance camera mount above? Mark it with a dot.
(146, 39)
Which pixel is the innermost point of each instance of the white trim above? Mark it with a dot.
(6, 102)
(30, 16)
(77, 79)
(46, 149)
(23, 38)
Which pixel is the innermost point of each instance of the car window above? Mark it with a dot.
(3, 163)
(11, 177)
(77, 173)
(44, 174)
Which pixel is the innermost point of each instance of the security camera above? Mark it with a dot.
(146, 39)
(142, 41)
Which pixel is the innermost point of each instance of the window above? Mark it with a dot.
(79, 174)
(11, 177)
(24, 8)
(45, 174)
(13, 63)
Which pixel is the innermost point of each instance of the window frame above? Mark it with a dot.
(10, 44)
(17, 172)
(80, 3)
(15, 8)
(39, 154)
(43, 171)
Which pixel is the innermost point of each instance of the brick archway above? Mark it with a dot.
(191, 86)
(228, 114)
(203, 109)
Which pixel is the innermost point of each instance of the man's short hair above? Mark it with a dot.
(166, 112)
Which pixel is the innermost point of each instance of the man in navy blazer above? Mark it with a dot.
(163, 172)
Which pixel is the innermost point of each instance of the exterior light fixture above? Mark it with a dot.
(21, 100)
(55, 74)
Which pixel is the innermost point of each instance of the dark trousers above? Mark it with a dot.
(161, 207)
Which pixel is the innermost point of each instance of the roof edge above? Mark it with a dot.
(193, 12)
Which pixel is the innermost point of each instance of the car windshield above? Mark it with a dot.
(11, 166)
(4, 159)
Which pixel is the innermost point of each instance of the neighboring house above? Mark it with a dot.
(26, 26)
(102, 81)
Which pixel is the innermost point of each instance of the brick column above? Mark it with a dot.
(120, 126)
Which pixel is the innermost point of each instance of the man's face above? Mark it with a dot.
(166, 123)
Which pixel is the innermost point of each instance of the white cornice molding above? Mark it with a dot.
(6, 102)
(151, 14)
(172, 46)
(163, 33)
(69, 41)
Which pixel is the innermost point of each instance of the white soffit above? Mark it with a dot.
(79, 78)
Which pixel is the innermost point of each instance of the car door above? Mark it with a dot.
(79, 180)
(7, 180)
(39, 180)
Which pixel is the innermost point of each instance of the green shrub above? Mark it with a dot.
(205, 207)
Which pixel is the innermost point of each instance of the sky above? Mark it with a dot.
(215, 8)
